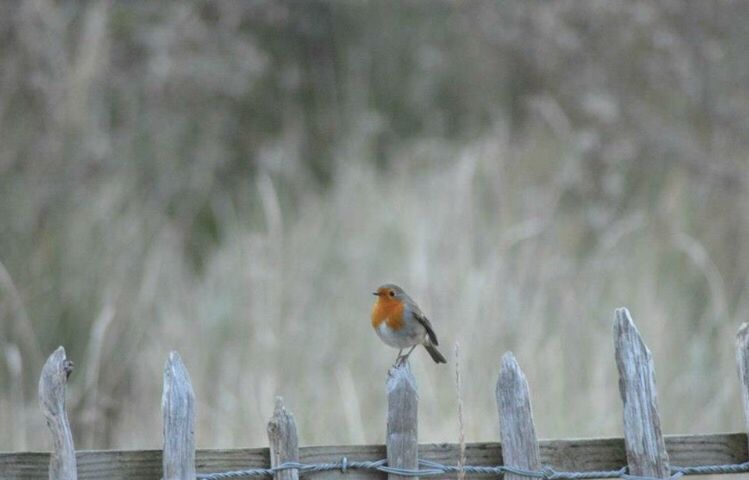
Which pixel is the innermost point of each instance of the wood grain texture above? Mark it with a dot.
(742, 361)
(402, 424)
(646, 450)
(54, 378)
(178, 409)
(517, 431)
(284, 442)
(569, 455)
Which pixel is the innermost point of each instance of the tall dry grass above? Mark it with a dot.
(178, 179)
(281, 307)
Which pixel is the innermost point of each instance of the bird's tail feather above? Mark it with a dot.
(435, 354)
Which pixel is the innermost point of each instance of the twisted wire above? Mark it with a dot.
(429, 469)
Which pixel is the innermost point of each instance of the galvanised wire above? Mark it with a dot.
(429, 469)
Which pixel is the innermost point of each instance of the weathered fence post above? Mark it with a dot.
(178, 409)
(517, 431)
(55, 373)
(284, 443)
(402, 427)
(742, 360)
(646, 451)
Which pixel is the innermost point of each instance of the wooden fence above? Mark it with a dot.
(644, 449)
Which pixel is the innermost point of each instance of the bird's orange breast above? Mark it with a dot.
(388, 311)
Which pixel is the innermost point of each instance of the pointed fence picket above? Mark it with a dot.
(644, 450)
(402, 421)
(54, 378)
(284, 444)
(517, 432)
(177, 406)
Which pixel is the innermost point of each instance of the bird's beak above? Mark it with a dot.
(376, 294)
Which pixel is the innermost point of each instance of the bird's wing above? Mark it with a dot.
(422, 319)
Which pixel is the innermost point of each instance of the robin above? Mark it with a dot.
(400, 323)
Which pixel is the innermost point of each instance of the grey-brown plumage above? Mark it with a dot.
(432, 346)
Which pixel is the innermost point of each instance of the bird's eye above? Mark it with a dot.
(392, 293)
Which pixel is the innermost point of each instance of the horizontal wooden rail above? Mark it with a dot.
(579, 455)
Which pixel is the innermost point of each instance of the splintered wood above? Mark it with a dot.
(178, 408)
(646, 450)
(54, 378)
(517, 431)
(402, 420)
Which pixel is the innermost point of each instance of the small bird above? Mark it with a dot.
(400, 323)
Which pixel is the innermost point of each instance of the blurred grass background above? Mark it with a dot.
(232, 179)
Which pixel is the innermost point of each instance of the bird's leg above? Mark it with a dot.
(405, 357)
(397, 359)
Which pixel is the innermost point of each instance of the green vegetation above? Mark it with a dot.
(231, 180)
